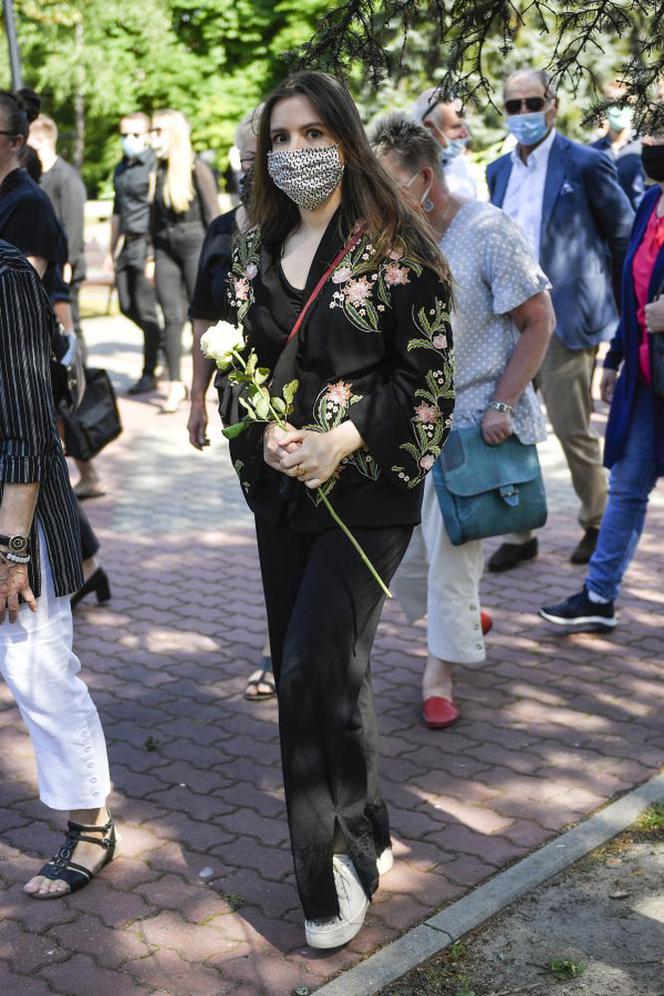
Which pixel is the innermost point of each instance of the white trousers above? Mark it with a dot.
(442, 581)
(40, 668)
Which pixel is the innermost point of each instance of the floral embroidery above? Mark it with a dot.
(395, 274)
(432, 327)
(426, 413)
(363, 290)
(244, 268)
(341, 275)
(428, 424)
(330, 410)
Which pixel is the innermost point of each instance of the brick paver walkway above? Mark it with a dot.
(201, 901)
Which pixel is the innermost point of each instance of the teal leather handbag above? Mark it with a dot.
(488, 490)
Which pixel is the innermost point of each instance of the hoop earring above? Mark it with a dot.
(428, 205)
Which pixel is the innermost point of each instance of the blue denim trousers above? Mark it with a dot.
(632, 479)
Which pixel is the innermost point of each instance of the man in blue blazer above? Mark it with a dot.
(568, 201)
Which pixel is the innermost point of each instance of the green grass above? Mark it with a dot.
(652, 819)
(564, 969)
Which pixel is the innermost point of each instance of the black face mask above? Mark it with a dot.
(652, 157)
(245, 183)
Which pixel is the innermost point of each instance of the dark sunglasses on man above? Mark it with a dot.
(530, 103)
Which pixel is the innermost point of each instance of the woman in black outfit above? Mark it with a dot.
(28, 221)
(185, 202)
(373, 407)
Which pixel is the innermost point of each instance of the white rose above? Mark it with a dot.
(219, 342)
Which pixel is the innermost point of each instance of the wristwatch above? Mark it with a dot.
(18, 548)
(501, 406)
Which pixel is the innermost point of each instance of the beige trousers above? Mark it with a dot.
(565, 380)
(441, 582)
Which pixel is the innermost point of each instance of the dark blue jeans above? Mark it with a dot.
(632, 479)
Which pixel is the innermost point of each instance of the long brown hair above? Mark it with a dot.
(368, 194)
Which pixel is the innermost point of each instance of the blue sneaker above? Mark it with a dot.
(579, 613)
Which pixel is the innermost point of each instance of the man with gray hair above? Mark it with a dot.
(566, 199)
(502, 325)
(446, 121)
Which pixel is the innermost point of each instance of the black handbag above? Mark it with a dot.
(96, 422)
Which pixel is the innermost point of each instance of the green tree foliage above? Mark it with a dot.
(94, 60)
(214, 61)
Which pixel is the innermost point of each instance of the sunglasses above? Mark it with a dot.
(530, 103)
(12, 134)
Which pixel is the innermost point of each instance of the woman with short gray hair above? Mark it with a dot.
(502, 324)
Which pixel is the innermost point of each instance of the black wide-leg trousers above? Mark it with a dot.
(323, 609)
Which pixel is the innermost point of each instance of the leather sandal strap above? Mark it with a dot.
(96, 828)
(77, 837)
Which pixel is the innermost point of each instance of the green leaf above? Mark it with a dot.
(262, 406)
(233, 431)
(290, 390)
(279, 406)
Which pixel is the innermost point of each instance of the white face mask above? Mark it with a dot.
(132, 145)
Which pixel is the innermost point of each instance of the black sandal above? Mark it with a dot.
(62, 868)
(263, 676)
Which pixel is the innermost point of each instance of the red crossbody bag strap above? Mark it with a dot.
(350, 245)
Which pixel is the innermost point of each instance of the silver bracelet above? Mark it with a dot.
(14, 558)
(501, 406)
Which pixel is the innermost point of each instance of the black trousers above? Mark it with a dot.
(176, 268)
(138, 301)
(323, 609)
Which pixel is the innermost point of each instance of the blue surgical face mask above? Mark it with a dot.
(455, 147)
(528, 129)
(619, 118)
(132, 145)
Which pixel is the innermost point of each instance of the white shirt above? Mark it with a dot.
(525, 190)
(459, 176)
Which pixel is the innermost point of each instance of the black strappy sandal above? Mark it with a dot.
(62, 868)
(263, 676)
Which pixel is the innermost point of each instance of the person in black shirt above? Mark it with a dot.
(27, 219)
(185, 202)
(207, 306)
(66, 191)
(131, 223)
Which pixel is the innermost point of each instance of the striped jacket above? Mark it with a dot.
(30, 448)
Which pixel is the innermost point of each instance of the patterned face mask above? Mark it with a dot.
(307, 176)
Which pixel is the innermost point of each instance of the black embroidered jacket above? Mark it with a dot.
(375, 348)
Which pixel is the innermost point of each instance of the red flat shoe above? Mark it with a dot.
(439, 712)
(486, 620)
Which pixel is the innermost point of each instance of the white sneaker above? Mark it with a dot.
(353, 906)
(385, 861)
